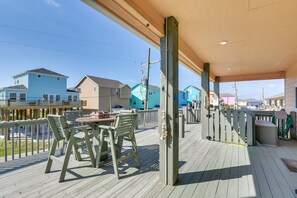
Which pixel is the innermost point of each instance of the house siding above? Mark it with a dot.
(193, 94)
(229, 100)
(138, 96)
(290, 84)
(22, 80)
(89, 91)
(51, 85)
(122, 98)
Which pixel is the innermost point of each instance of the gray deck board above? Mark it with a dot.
(207, 169)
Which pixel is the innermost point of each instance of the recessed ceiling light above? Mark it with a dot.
(229, 68)
(223, 42)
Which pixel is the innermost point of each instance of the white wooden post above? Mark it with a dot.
(168, 123)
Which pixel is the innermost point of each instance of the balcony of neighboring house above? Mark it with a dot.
(11, 103)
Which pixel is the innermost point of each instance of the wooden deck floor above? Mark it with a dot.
(207, 169)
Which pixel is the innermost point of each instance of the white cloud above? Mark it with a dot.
(271, 85)
(52, 3)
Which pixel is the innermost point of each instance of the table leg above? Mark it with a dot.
(96, 146)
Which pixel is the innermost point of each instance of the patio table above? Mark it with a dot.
(94, 123)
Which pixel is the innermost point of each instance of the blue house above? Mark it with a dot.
(39, 84)
(138, 96)
(182, 98)
(194, 94)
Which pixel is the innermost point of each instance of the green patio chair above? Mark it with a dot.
(71, 117)
(123, 130)
(62, 132)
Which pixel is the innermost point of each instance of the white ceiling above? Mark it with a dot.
(262, 34)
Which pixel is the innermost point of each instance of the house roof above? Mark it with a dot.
(193, 87)
(261, 34)
(103, 82)
(150, 86)
(42, 71)
(278, 96)
(15, 87)
(71, 89)
(226, 95)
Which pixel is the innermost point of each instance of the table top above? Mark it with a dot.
(94, 120)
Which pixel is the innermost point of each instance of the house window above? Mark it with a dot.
(134, 102)
(45, 97)
(69, 97)
(94, 88)
(39, 76)
(22, 97)
(118, 91)
(74, 98)
(58, 97)
(58, 78)
(12, 96)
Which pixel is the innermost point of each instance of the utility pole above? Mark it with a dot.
(236, 95)
(147, 79)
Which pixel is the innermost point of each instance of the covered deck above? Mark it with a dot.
(206, 169)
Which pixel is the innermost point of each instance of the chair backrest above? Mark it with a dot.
(59, 126)
(71, 116)
(125, 124)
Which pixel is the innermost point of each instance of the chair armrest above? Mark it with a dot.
(106, 127)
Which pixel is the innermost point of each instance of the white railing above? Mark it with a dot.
(24, 137)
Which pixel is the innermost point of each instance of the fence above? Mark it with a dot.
(232, 126)
(147, 117)
(191, 115)
(24, 137)
(238, 126)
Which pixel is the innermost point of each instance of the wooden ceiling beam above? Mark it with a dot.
(143, 20)
(257, 76)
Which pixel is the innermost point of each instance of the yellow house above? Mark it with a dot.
(103, 94)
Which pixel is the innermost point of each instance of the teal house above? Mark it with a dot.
(194, 94)
(138, 97)
(38, 84)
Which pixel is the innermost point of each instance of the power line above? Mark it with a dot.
(64, 51)
(66, 37)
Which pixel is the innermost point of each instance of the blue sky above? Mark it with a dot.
(71, 38)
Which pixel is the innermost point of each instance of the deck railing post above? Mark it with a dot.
(251, 129)
(293, 129)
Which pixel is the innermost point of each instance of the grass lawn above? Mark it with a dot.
(23, 147)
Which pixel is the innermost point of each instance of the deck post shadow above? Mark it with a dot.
(168, 124)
